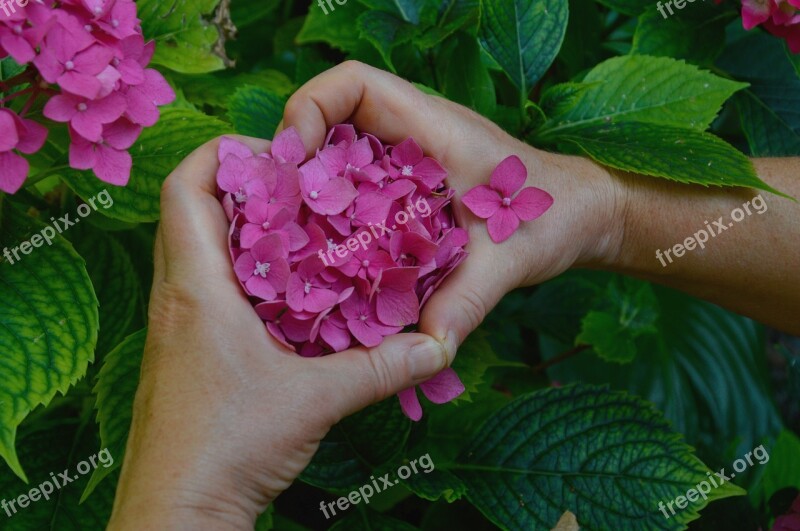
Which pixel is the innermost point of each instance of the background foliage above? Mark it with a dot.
(592, 393)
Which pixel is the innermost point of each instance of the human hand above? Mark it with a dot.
(583, 228)
(225, 418)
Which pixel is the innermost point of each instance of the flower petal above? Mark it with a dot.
(443, 387)
(483, 201)
(502, 225)
(531, 203)
(409, 403)
(509, 176)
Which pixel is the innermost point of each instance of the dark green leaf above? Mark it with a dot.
(369, 520)
(607, 456)
(407, 10)
(48, 323)
(453, 16)
(336, 28)
(384, 32)
(255, 112)
(698, 40)
(466, 80)
(216, 89)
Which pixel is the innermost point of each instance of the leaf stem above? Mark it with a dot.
(561, 357)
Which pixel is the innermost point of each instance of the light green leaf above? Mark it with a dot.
(216, 89)
(157, 152)
(699, 40)
(357, 446)
(266, 519)
(185, 40)
(453, 16)
(607, 456)
(681, 155)
(524, 37)
(48, 324)
(111, 270)
(115, 390)
(336, 28)
(639, 88)
(255, 112)
(384, 32)
(466, 80)
(629, 309)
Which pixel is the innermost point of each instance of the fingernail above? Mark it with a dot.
(451, 346)
(426, 359)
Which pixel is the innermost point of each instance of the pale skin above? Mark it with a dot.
(225, 419)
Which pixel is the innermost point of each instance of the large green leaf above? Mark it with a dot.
(606, 456)
(770, 108)
(639, 88)
(217, 89)
(524, 37)
(699, 39)
(357, 446)
(115, 282)
(336, 28)
(115, 390)
(466, 80)
(255, 111)
(48, 323)
(157, 152)
(453, 16)
(682, 155)
(783, 468)
(694, 369)
(475, 358)
(629, 7)
(51, 452)
(384, 32)
(407, 10)
(185, 40)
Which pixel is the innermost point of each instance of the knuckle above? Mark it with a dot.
(381, 374)
(474, 307)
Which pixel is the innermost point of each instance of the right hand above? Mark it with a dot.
(583, 228)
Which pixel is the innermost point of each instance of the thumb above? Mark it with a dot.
(359, 377)
(462, 302)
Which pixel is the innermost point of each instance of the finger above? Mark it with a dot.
(375, 101)
(194, 227)
(462, 302)
(359, 377)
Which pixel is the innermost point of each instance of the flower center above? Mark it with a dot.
(506, 201)
(403, 256)
(307, 288)
(88, 27)
(69, 65)
(82, 106)
(350, 167)
(240, 196)
(98, 10)
(115, 61)
(408, 170)
(115, 23)
(265, 225)
(314, 194)
(365, 263)
(331, 244)
(18, 29)
(363, 317)
(261, 270)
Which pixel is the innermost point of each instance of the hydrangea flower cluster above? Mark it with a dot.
(779, 17)
(89, 59)
(342, 249)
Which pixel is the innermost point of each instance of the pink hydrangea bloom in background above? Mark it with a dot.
(496, 202)
(88, 60)
(342, 249)
(779, 17)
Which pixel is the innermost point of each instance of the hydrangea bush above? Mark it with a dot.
(556, 416)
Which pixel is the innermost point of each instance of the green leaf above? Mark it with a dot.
(245, 13)
(335, 28)
(639, 88)
(794, 58)
(384, 32)
(358, 445)
(783, 468)
(266, 520)
(216, 89)
(255, 112)
(524, 37)
(369, 520)
(629, 7)
(607, 456)
(466, 80)
(185, 40)
(407, 10)
(698, 40)
(475, 357)
(50, 452)
(157, 152)
(453, 15)
(111, 270)
(681, 155)
(115, 390)
(629, 310)
(48, 324)
(582, 47)
(768, 109)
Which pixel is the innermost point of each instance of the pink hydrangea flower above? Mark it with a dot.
(17, 135)
(496, 202)
(342, 249)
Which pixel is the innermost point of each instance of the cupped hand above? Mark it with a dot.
(225, 418)
(583, 228)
